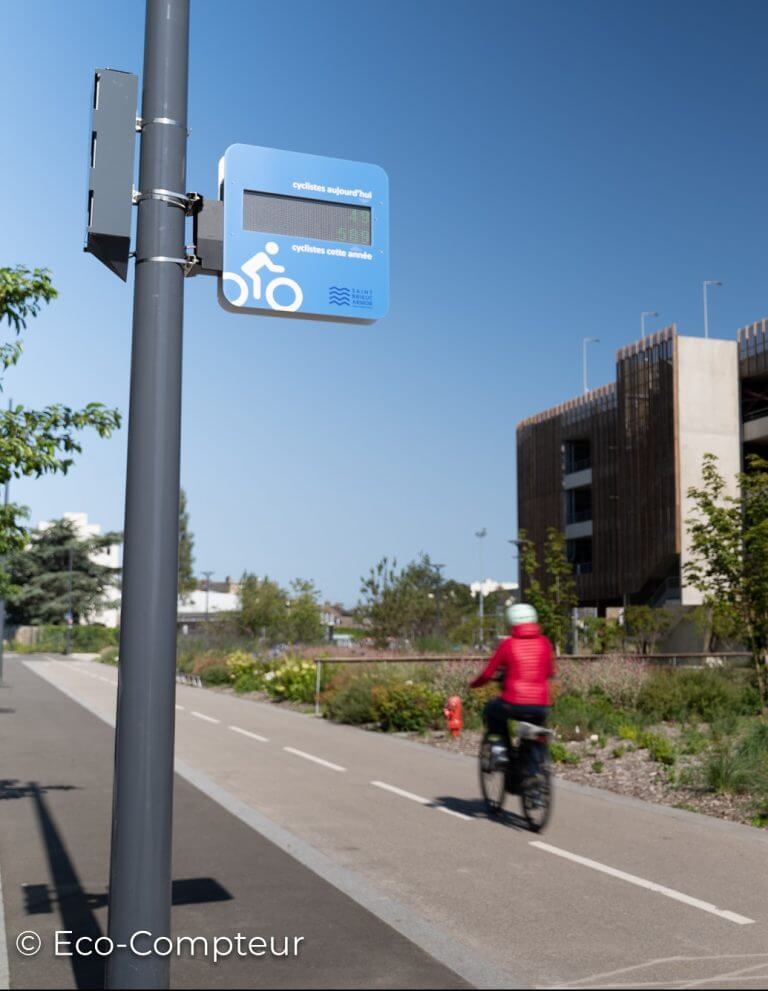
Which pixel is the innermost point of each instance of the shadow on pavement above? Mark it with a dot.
(475, 808)
(76, 906)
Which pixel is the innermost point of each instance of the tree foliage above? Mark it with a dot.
(550, 586)
(187, 580)
(39, 576)
(729, 556)
(646, 626)
(416, 604)
(275, 615)
(35, 442)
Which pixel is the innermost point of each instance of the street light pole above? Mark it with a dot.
(207, 575)
(584, 343)
(646, 313)
(480, 534)
(6, 495)
(704, 286)
(70, 614)
(140, 870)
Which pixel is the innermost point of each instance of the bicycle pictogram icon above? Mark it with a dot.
(252, 269)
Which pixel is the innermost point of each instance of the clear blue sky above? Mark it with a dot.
(555, 169)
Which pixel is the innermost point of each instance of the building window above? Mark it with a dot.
(578, 505)
(578, 456)
(579, 553)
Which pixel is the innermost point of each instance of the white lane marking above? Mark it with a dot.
(202, 715)
(732, 975)
(180, 707)
(247, 732)
(420, 799)
(316, 760)
(660, 889)
(102, 678)
(594, 979)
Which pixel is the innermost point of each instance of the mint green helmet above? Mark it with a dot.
(520, 613)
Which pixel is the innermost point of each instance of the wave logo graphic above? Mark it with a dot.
(339, 296)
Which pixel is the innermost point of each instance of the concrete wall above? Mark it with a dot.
(708, 422)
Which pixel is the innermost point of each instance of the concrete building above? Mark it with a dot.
(612, 468)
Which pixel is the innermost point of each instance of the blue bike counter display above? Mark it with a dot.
(304, 235)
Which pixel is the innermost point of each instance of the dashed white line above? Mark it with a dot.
(247, 732)
(202, 715)
(420, 799)
(641, 882)
(180, 707)
(316, 760)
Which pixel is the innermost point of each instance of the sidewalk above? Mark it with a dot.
(56, 790)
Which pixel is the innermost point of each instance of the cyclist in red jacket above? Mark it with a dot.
(525, 663)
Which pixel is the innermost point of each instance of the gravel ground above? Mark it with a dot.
(633, 773)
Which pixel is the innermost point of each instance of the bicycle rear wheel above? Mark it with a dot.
(536, 797)
(493, 780)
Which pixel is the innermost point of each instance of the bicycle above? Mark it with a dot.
(499, 778)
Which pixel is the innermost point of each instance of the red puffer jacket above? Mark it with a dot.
(528, 662)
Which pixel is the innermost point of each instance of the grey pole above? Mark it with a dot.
(70, 614)
(704, 286)
(207, 590)
(6, 496)
(481, 606)
(140, 870)
(585, 341)
(2, 599)
(647, 313)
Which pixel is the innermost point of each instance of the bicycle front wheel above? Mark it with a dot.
(493, 780)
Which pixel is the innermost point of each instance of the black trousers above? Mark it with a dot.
(498, 714)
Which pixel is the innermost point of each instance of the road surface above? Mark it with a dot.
(616, 893)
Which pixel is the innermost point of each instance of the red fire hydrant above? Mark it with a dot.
(452, 713)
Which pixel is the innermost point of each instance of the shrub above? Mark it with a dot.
(215, 674)
(349, 699)
(407, 707)
(560, 753)
(628, 731)
(108, 655)
(660, 748)
(726, 771)
(292, 680)
(597, 766)
(705, 693)
(575, 717)
(618, 679)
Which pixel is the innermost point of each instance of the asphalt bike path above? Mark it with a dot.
(55, 807)
(615, 893)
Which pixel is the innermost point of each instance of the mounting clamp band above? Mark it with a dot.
(141, 124)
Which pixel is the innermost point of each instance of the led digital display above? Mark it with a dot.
(296, 216)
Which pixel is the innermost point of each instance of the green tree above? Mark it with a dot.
(35, 442)
(647, 626)
(263, 608)
(304, 621)
(403, 604)
(187, 580)
(39, 576)
(729, 556)
(550, 587)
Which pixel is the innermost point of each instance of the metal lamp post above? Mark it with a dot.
(480, 534)
(207, 575)
(643, 315)
(584, 343)
(704, 286)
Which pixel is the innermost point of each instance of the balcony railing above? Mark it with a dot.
(579, 516)
(573, 465)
